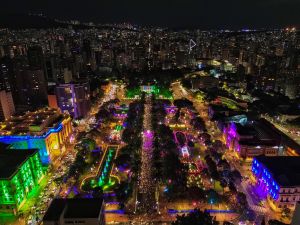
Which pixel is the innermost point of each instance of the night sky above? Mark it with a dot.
(173, 13)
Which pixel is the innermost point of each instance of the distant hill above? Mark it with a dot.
(23, 21)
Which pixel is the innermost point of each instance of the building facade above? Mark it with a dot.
(20, 172)
(74, 98)
(7, 107)
(277, 180)
(250, 140)
(31, 88)
(45, 129)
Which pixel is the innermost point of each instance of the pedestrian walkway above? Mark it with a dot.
(146, 185)
(253, 206)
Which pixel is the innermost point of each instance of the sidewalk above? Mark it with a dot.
(253, 206)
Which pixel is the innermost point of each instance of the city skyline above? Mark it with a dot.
(178, 14)
(105, 120)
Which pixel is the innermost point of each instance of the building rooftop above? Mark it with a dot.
(12, 159)
(247, 129)
(83, 208)
(55, 209)
(219, 107)
(286, 140)
(34, 123)
(75, 83)
(285, 169)
(74, 208)
(257, 133)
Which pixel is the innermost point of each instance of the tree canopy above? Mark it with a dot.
(196, 217)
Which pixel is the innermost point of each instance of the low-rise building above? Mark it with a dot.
(46, 129)
(252, 139)
(290, 146)
(204, 82)
(216, 111)
(278, 180)
(89, 211)
(20, 172)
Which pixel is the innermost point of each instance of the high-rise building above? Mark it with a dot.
(52, 100)
(292, 87)
(35, 57)
(2, 53)
(5, 73)
(36, 60)
(32, 87)
(67, 75)
(87, 50)
(7, 107)
(51, 67)
(74, 98)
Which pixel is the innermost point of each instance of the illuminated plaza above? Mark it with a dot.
(143, 113)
